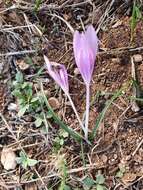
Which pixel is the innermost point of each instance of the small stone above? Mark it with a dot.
(31, 186)
(104, 159)
(137, 58)
(135, 108)
(8, 159)
(12, 107)
(22, 64)
(108, 70)
(103, 69)
(116, 60)
(76, 71)
(115, 156)
(54, 103)
(128, 178)
(47, 93)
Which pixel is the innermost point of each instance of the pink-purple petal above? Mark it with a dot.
(92, 38)
(59, 73)
(64, 77)
(86, 65)
(85, 46)
(76, 45)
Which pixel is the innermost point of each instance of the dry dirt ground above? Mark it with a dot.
(117, 150)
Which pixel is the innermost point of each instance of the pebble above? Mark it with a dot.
(137, 58)
(54, 103)
(12, 107)
(8, 159)
(115, 156)
(104, 159)
(22, 64)
(116, 60)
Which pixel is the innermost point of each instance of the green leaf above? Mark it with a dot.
(102, 114)
(74, 134)
(88, 183)
(23, 155)
(31, 162)
(62, 185)
(22, 159)
(49, 115)
(136, 16)
(18, 160)
(37, 5)
(35, 99)
(38, 122)
(138, 13)
(63, 133)
(23, 110)
(100, 187)
(122, 169)
(16, 93)
(25, 161)
(61, 142)
(66, 187)
(44, 130)
(28, 60)
(24, 164)
(100, 179)
(119, 174)
(25, 85)
(19, 77)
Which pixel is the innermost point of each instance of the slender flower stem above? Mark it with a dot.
(75, 111)
(87, 110)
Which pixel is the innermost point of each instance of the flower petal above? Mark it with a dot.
(64, 77)
(86, 67)
(92, 38)
(85, 47)
(76, 45)
(59, 73)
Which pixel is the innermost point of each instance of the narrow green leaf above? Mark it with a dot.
(37, 5)
(35, 99)
(74, 134)
(136, 16)
(19, 77)
(23, 110)
(102, 114)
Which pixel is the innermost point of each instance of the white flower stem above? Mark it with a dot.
(75, 111)
(87, 110)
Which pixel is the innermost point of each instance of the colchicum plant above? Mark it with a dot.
(85, 47)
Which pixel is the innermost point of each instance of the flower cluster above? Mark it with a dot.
(85, 46)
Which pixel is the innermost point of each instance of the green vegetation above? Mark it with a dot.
(136, 16)
(24, 161)
(98, 184)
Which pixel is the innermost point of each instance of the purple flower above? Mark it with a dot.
(85, 47)
(59, 73)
